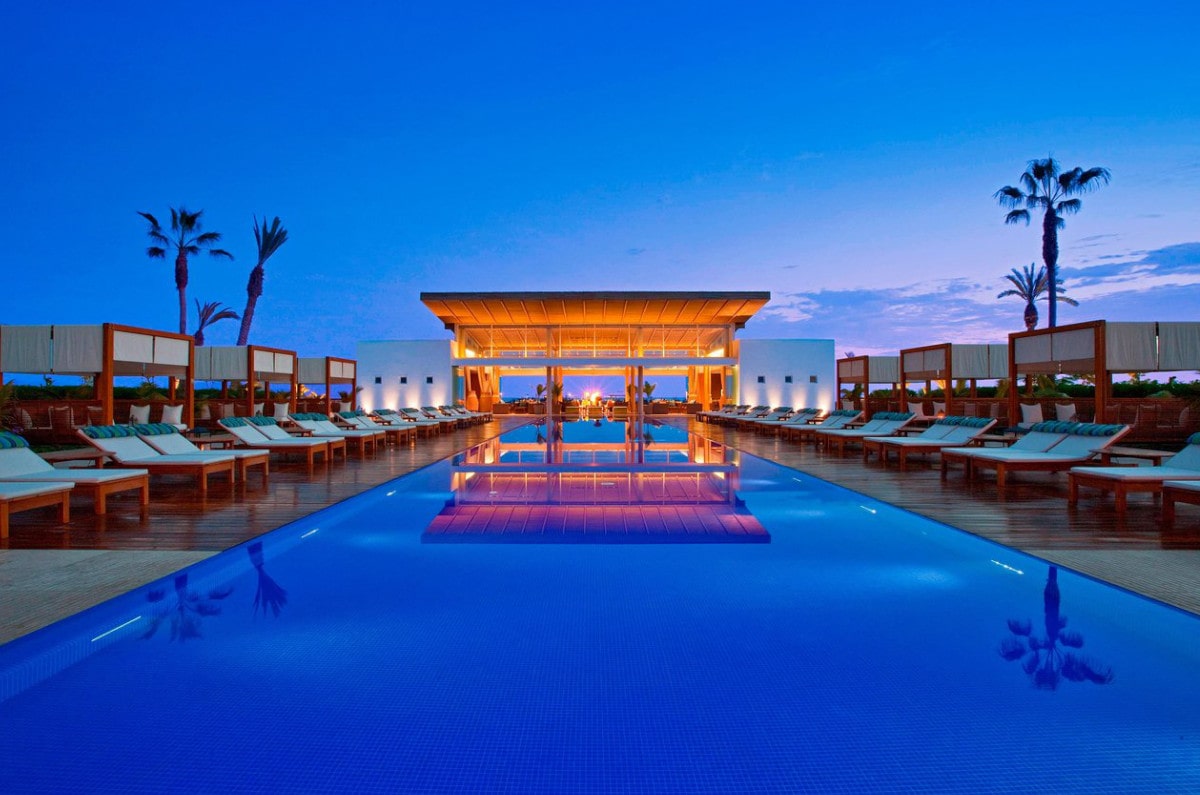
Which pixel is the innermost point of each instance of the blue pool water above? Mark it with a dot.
(484, 625)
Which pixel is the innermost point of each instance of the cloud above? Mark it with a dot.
(633, 252)
(1148, 285)
(1136, 272)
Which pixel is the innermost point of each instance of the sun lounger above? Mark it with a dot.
(946, 432)
(1077, 443)
(16, 497)
(434, 413)
(774, 415)
(1121, 481)
(415, 420)
(797, 417)
(19, 464)
(249, 434)
(361, 438)
(167, 439)
(419, 416)
(807, 432)
(1178, 491)
(474, 417)
(123, 446)
(726, 411)
(883, 423)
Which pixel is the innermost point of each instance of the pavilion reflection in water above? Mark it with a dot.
(621, 483)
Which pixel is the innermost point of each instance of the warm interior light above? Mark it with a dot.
(717, 352)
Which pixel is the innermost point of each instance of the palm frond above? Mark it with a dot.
(208, 238)
(153, 221)
(1008, 196)
(269, 239)
(155, 251)
(1092, 179)
(219, 252)
(1016, 216)
(1069, 207)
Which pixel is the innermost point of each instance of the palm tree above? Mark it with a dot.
(210, 313)
(269, 239)
(1030, 285)
(185, 239)
(1045, 186)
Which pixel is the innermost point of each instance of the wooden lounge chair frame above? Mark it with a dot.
(41, 495)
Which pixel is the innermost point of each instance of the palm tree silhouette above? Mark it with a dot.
(209, 314)
(269, 239)
(1029, 285)
(270, 595)
(1045, 186)
(185, 239)
(186, 614)
(1046, 660)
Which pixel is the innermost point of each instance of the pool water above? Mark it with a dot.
(616, 616)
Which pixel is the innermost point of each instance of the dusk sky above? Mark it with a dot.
(844, 159)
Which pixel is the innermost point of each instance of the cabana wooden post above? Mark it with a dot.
(330, 371)
(867, 370)
(102, 352)
(948, 362)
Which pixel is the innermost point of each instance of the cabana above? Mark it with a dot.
(101, 352)
(329, 371)
(864, 371)
(253, 365)
(1101, 349)
(947, 362)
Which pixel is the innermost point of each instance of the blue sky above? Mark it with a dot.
(844, 159)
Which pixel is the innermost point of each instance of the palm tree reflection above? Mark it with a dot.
(270, 594)
(187, 611)
(1045, 659)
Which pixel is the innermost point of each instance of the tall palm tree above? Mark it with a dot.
(269, 239)
(208, 314)
(186, 239)
(1030, 286)
(1045, 186)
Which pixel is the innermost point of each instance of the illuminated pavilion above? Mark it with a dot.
(635, 335)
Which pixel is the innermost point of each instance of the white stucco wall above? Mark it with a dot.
(416, 361)
(775, 360)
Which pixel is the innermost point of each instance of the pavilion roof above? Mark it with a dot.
(594, 308)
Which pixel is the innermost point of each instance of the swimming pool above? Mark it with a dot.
(500, 623)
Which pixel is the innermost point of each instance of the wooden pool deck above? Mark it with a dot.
(49, 570)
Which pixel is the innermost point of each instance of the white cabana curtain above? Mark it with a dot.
(1131, 347)
(310, 370)
(1073, 345)
(884, 369)
(997, 361)
(972, 361)
(78, 349)
(851, 369)
(171, 352)
(221, 363)
(1032, 350)
(25, 349)
(1179, 346)
(135, 348)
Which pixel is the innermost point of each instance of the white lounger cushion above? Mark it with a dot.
(16, 491)
(22, 464)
